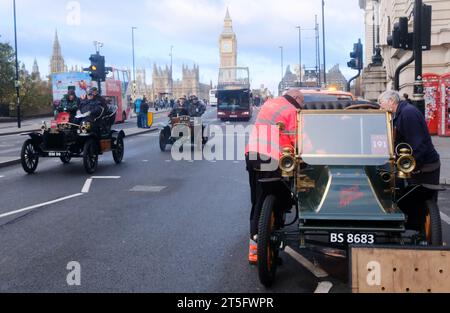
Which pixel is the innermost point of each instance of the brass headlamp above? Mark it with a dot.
(44, 127)
(287, 163)
(406, 163)
(85, 127)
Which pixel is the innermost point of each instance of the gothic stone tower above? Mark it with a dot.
(228, 44)
(191, 80)
(57, 61)
(161, 81)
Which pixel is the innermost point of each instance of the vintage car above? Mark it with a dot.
(182, 130)
(348, 184)
(87, 138)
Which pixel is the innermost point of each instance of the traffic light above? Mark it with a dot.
(426, 27)
(97, 68)
(401, 38)
(356, 62)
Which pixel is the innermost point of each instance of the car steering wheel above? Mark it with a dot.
(362, 106)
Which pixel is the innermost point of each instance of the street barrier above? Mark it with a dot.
(150, 119)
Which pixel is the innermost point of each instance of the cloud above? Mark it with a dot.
(191, 26)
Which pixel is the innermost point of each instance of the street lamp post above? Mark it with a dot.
(300, 53)
(282, 70)
(17, 84)
(132, 43)
(323, 45)
(171, 71)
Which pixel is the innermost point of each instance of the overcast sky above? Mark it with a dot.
(191, 26)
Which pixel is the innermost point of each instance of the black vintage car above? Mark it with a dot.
(87, 137)
(182, 129)
(345, 183)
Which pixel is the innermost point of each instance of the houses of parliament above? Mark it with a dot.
(163, 85)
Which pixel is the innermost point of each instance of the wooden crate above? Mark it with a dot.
(399, 270)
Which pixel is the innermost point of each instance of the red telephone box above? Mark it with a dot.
(444, 116)
(432, 101)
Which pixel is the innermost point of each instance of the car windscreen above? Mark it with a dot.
(233, 99)
(345, 138)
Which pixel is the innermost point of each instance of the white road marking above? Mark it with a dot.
(2, 176)
(315, 269)
(324, 287)
(87, 184)
(40, 205)
(148, 188)
(445, 218)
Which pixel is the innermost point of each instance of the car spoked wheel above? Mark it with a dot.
(65, 158)
(432, 227)
(29, 157)
(268, 244)
(90, 156)
(119, 151)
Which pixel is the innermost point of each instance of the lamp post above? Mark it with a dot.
(300, 53)
(132, 43)
(171, 71)
(17, 83)
(282, 70)
(323, 45)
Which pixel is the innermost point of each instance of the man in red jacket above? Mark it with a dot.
(274, 130)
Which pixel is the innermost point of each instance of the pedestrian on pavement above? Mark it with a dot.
(411, 128)
(282, 114)
(137, 110)
(144, 111)
(406, 96)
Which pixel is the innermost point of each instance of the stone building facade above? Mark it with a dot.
(380, 16)
(164, 86)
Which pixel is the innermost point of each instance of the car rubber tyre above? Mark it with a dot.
(29, 157)
(162, 140)
(267, 249)
(65, 158)
(90, 156)
(118, 152)
(432, 224)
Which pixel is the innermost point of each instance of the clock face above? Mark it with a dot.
(227, 46)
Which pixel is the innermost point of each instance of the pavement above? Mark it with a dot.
(442, 145)
(150, 224)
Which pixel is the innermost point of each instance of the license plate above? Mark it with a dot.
(352, 238)
(54, 154)
(233, 116)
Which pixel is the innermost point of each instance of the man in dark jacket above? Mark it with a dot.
(144, 113)
(411, 128)
(70, 104)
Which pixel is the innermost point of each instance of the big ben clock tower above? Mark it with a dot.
(228, 44)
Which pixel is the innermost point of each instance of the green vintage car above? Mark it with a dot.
(347, 182)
